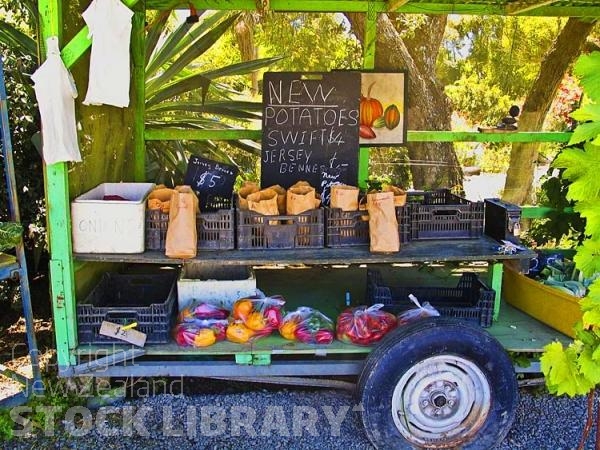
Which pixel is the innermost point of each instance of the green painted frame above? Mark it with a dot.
(62, 267)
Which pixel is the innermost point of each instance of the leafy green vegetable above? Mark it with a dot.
(10, 235)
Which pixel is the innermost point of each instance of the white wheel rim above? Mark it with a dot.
(442, 400)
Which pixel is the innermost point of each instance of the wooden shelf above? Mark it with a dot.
(514, 329)
(482, 249)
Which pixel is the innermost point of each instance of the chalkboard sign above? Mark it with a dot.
(212, 181)
(330, 177)
(310, 124)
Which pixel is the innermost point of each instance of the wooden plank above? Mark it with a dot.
(489, 7)
(519, 8)
(519, 332)
(481, 249)
(166, 134)
(272, 344)
(515, 330)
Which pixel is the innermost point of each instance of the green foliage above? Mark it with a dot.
(185, 91)
(18, 50)
(587, 68)
(309, 41)
(10, 235)
(558, 228)
(575, 370)
(493, 62)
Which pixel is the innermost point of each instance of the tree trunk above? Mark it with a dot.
(244, 35)
(428, 107)
(568, 45)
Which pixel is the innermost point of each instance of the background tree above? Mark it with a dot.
(428, 108)
(565, 49)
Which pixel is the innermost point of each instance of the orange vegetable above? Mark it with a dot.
(370, 108)
(288, 329)
(256, 321)
(204, 338)
(242, 309)
(238, 332)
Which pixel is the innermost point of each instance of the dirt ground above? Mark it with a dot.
(13, 340)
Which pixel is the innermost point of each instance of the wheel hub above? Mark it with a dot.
(440, 401)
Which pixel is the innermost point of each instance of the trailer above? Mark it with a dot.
(438, 383)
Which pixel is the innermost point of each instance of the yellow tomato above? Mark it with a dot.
(242, 309)
(256, 321)
(238, 332)
(287, 330)
(204, 338)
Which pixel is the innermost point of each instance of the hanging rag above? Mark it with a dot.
(55, 91)
(109, 23)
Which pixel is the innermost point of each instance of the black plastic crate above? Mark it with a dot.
(258, 231)
(346, 228)
(440, 214)
(471, 300)
(148, 299)
(351, 228)
(216, 230)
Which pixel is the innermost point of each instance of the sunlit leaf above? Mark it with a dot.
(587, 258)
(560, 367)
(591, 212)
(587, 69)
(589, 365)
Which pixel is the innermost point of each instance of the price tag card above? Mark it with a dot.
(212, 181)
(123, 333)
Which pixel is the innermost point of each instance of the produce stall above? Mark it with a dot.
(460, 368)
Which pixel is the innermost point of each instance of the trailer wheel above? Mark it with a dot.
(438, 383)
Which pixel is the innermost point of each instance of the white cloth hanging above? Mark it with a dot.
(56, 92)
(109, 23)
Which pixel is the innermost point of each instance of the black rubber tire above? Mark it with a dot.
(430, 338)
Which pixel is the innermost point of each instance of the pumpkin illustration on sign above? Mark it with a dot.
(370, 110)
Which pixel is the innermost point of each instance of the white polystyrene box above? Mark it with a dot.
(217, 285)
(110, 226)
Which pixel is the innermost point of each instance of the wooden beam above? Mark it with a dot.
(393, 5)
(514, 9)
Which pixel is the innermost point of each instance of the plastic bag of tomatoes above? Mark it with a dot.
(200, 333)
(307, 325)
(364, 325)
(254, 317)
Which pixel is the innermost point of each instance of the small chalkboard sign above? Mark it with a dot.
(310, 124)
(330, 177)
(212, 181)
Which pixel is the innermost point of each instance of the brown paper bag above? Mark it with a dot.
(160, 198)
(263, 202)
(383, 225)
(400, 194)
(249, 187)
(344, 197)
(281, 197)
(182, 238)
(301, 199)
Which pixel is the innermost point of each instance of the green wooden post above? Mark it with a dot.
(62, 281)
(138, 53)
(369, 43)
(58, 201)
(497, 270)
